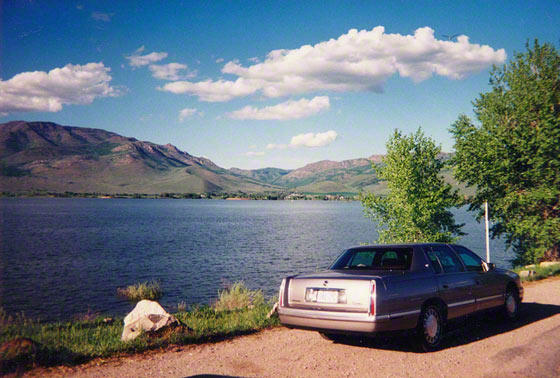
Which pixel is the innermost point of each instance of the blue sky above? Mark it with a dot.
(253, 84)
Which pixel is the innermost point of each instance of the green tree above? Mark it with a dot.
(513, 156)
(417, 206)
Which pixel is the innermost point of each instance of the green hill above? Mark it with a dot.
(43, 156)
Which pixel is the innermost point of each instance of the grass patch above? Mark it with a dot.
(144, 290)
(84, 339)
(238, 296)
(540, 272)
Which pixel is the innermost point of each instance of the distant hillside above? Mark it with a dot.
(348, 176)
(47, 156)
(267, 175)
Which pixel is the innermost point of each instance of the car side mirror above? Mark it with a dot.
(488, 266)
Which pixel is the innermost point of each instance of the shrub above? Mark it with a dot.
(238, 296)
(182, 306)
(144, 290)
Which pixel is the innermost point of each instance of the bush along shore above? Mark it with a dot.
(537, 272)
(26, 343)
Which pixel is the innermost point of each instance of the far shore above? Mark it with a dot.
(289, 196)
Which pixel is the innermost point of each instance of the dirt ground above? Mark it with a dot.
(483, 347)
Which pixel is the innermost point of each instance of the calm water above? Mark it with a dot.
(62, 257)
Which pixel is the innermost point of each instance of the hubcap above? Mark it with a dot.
(431, 326)
(510, 304)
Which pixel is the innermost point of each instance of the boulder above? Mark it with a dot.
(545, 264)
(147, 316)
(527, 273)
(143, 308)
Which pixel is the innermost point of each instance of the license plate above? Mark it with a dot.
(327, 296)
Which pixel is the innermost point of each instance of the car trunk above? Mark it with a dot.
(333, 291)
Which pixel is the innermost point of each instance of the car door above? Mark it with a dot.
(455, 284)
(489, 289)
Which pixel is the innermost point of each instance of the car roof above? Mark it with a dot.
(399, 245)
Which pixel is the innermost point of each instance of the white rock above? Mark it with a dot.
(549, 263)
(526, 273)
(147, 316)
(148, 323)
(143, 308)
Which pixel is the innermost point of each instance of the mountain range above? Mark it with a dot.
(47, 156)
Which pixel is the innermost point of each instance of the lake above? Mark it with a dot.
(63, 257)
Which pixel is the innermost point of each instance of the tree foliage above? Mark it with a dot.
(513, 155)
(417, 206)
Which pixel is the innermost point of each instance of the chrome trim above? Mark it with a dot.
(490, 298)
(406, 313)
(461, 303)
(328, 315)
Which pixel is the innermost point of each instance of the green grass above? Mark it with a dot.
(144, 290)
(78, 341)
(540, 272)
(237, 297)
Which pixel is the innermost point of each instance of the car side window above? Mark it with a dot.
(470, 259)
(434, 260)
(449, 261)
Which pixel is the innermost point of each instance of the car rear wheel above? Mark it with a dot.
(511, 304)
(430, 328)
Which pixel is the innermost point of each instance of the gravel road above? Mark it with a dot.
(485, 347)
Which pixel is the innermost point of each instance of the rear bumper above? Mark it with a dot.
(346, 321)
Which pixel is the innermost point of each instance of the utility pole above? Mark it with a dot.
(487, 232)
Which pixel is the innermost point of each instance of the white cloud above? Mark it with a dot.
(314, 140)
(99, 16)
(170, 71)
(274, 146)
(254, 59)
(356, 61)
(186, 113)
(285, 110)
(254, 154)
(137, 60)
(219, 60)
(49, 91)
(307, 140)
(213, 91)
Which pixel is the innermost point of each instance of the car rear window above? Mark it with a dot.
(375, 259)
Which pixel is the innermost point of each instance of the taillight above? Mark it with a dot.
(281, 293)
(372, 299)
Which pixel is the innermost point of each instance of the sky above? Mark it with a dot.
(255, 84)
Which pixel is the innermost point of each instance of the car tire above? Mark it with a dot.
(512, 305)
(430, 328)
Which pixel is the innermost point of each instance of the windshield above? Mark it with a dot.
(381, 258)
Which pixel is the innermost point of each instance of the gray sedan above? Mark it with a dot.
(372, 289)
